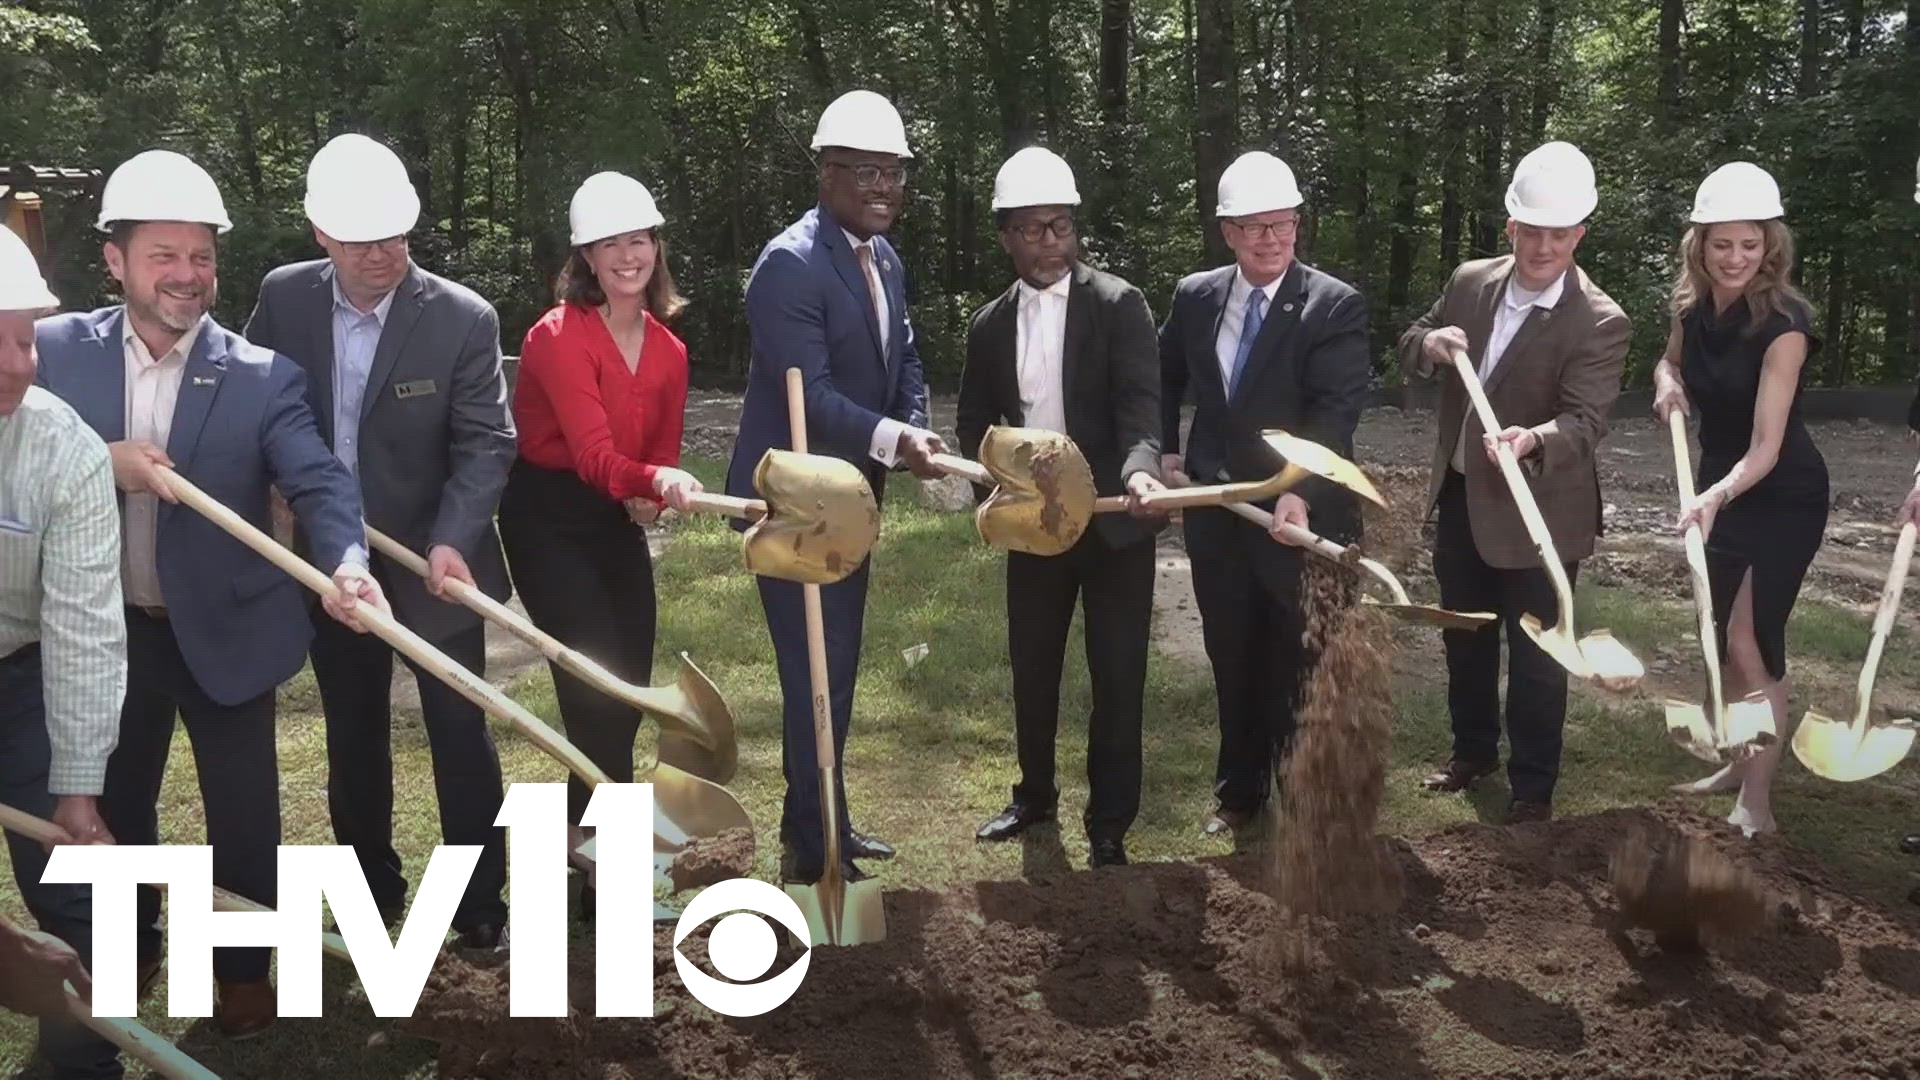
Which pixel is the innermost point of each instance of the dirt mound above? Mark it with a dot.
(710, 860)
(1508, 958)
(1683, 890)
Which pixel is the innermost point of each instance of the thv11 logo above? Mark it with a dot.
(742, 945)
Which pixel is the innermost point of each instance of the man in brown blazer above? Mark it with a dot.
(1550, 348)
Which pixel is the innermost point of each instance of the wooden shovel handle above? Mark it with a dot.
(1324, 548)
(729, 505)
(1883, 621)
(140, 1043)
(816, 624)
(1522, 494)
(954, 465)
(1697, 566)
(389, 629)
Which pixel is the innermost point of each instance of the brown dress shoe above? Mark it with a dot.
(1459, 775)
(1522, 811)
(245, 1009)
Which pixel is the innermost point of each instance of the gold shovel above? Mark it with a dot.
(838, 911)
(1042, 494)
(1402, 606)
(1302, 459)
(1597, 656)
(685, 806)
(696, 726)
(816, 523)
(1864, 748)
(1733, 724)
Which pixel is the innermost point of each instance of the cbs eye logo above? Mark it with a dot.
(742, 946)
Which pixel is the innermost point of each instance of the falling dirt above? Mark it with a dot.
(1508, 958)
(710, 860)
(1686, 892)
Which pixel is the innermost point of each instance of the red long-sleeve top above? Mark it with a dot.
(576, 406)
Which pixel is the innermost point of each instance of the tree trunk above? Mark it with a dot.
(1545, 75)
(1808, 79)
(812, 49)
(1668, 99)
(1216, 72)
(1116, 144)
(1453, 136)
(457, 152)
(1406, 219)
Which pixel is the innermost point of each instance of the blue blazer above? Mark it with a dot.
(807, 307)
(240, 425)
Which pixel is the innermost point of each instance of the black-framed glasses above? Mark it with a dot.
(1260, 230)
(1034, 232)
(870, 176)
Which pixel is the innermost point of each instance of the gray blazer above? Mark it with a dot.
(436, 437)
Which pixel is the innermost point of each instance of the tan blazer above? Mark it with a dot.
(1559, 376)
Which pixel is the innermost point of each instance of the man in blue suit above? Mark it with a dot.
(213, 628)
(828, 296)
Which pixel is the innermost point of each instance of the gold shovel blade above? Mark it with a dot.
(822, 518)
(1610, 663)
(1688, 727)
(1314, 458)
(1558, 644)
(1837, 750)
(1750, 723)
(697, 737)
(857, 909)
(1044, 494)
(1435, 616)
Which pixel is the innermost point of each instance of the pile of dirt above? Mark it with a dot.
(710, 860)
(1686, 892)
(1508, 958)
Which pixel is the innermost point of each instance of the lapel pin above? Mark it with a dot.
(203, 380)
(1286, 307)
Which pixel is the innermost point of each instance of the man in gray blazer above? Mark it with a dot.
(404, 373)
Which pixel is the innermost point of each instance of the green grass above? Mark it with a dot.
(931, 754)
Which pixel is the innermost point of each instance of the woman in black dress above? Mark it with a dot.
(1741, 334)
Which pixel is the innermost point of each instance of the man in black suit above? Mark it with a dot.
(1070, 349)
(1268, 342)
(404, 374)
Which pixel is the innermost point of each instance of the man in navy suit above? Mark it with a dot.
(213, 628)
(1268, 342)
(828, 296)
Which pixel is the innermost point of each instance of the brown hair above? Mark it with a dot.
(577, 285)
(1771, 291)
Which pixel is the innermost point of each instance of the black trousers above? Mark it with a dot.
(1247, 587)
(239, 772)
(1536, 685)
(355, 675)
(1114, 587)
(65, 911)
(584, 574)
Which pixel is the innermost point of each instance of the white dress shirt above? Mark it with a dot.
(1516, 304)
(153, 389)
(1234, 314)
(1041, 344)
(886, 434)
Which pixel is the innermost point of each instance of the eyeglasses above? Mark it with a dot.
(1034, 232)
(362, 248)
(869, 176)
(1260, 230)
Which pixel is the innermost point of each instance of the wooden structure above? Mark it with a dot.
(20, 197)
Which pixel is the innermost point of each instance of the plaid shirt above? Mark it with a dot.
(60, 581)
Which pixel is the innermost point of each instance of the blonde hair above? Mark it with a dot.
(1770, 291)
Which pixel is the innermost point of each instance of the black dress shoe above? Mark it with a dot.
(486, 936)
(1017, 818)
(1910, 844)
(1458, 775)
(1107, 853)
(1525, 811)
(863, 846)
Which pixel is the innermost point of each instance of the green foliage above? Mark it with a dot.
(1403, 119)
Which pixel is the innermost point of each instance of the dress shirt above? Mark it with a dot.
(1041, 359)
(60, 581)
(885, 446)
(1515, 305)
(1227, 343)
(356, 337)
(153, 389)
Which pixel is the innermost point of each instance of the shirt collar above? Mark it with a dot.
(379, 312)
(1059, 288)
(1546, 299)
(180, 350)
(855, 242)
(1243, 289)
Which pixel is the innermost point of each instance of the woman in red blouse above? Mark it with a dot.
(598, 403)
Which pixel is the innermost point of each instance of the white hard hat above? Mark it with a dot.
(358, 191)
(160, 185)
(1035, 176)
(21, 286)
(1553, 187)
(1737, 191)
(608, 204)
(862, 120)
(1255, 183)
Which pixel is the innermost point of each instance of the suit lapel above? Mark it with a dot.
(1480, 320)
(1281, 315)
(1003, 344)
(1537, 322)
(848, 267)
(1216, 301)
(1079, 329)
(393, 337)
(199, 383)
(320, 377)
(105, 409)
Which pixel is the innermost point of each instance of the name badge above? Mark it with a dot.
(414, 389)
(203, 380)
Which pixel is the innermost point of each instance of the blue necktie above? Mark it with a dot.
(1249, 330)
